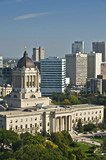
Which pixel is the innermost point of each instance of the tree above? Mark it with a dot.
(79, 126)
(79, 154)
(89, 127)
(73, 99)
(7, 137)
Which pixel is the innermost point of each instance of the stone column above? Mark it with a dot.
(65, 123)
(60, 124)
(24, 81)
(55, 124)
(70, 123)
(21, 82)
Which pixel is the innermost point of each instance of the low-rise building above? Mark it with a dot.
(50, 118)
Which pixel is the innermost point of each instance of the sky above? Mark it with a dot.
(52, 24)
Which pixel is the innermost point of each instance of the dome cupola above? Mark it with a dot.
(25, 61)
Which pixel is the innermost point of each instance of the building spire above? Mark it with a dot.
(25, 48)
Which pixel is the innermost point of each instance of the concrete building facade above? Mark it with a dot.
(76, 68)
(96, 85)
(51, 119)
(94, 64)
(38, 54)
(53, 76)
(100, 47)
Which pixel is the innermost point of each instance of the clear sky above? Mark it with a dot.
(53, 24)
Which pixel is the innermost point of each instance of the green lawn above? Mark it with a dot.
(85, 147)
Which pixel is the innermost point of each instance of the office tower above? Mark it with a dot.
(53, 75)
(94, 64)
(78, 46)
(1, 62)
(100, 47)
(38, 54)
(76, 68)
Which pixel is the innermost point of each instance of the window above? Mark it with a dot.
(16, 127)
(30, 125)
(35, 118)
(92, 118)
(99, 111)
(21, 126)
(26, 126)
(40, 117)
(88, 112)
(84, 119)
(11, 121)
(96, 112)
(80, 114)
(84, 113)
(88, 118)
(48, 124)
(40, 124)
(30, 119)
(16, 121)
(35, 124)
(21, 120)
(76, 114)
(99, 117)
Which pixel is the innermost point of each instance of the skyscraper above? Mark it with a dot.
(53, 75)
(78, 46)
(76, 68)
(100, 47)
(38, 54)
(94, 64)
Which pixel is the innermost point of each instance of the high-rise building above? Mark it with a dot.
(94, 64)
(78, 46)
(100, 47)
(53, 75)
(76, 68)
(1, 62)
(38, 54)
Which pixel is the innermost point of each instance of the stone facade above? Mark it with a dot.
(51, 118)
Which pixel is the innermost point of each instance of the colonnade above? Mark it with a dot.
(30, 81)
(63, 123)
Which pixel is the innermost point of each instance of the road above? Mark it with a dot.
(88, 137)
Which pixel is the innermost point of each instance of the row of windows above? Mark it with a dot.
(26, 126)
(21, 120)
(88, 113)
(87, 119)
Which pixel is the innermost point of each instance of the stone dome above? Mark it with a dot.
(25, 61)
